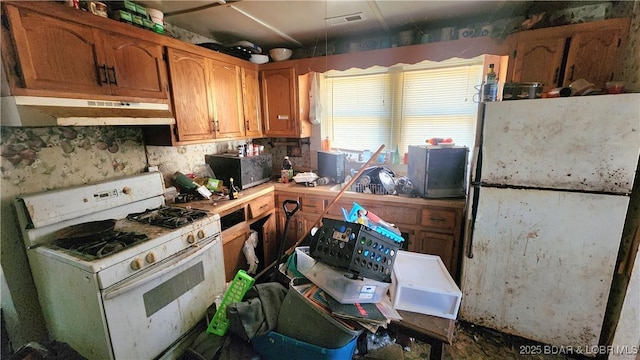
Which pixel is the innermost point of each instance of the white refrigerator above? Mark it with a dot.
(550, 194)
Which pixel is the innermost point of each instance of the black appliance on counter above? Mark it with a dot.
(246, 171)
(331, 165)
(438, 171)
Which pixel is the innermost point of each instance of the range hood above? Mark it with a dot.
(50, 111)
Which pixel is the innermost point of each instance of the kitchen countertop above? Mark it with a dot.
(224, 206)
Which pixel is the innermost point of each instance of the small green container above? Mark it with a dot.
(130, 5)
(137, 20)
(142, 11)
(148, 24)
(123, 16)
(159, 28)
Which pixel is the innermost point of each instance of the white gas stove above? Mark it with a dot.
(136, 284)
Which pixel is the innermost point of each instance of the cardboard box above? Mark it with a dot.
(422, 284)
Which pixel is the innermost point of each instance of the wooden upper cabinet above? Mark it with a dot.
(225, 91)
(135, 67)
(593, 56)
(278, 89)
(190, 96)
(285, 98)
(251, 102)
(56, 55)
(559, 55)
(539, 60)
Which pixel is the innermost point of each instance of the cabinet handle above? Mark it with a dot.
(217, 125)
(437, 219)
(555, 76)
(103, 74)
(246, 126)
(113, 71)
(573, 68)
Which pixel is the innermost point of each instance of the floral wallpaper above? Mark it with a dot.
(186, 159)
(45, 158)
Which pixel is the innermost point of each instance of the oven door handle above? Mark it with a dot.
(166, 266)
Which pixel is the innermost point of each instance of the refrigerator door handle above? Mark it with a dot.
(472, 223)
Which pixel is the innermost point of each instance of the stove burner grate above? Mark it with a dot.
(169, 217)
(100, 246)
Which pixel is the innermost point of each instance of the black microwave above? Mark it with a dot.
(246, 171)
(438, 171)
(331, 165)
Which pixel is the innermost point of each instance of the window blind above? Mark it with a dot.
(403, 105)
(361, 111)
(439, 103)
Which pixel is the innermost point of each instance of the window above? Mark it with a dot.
(403, 105)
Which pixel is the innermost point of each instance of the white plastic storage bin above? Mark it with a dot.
(422, 284)
(336, 282)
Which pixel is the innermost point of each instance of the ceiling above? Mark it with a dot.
(301, 23)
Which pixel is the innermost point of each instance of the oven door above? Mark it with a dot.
(149, 311)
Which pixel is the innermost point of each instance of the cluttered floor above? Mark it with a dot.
(470, 342)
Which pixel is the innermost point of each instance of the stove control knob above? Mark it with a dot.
(191, 239)
(151, 258)
(126, 190)
(200, 234)
(136, 264)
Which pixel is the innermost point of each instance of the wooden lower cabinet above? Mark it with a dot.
(429, 226)
(269, 240)
(443, 245)
(299, 226)
(232, 242)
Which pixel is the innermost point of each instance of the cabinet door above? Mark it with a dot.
(225, 93)
(593, 56)
(539, 60)
(190, 96)
(270, 241)
(57, 55)
(135, 68)
(251, 102)
(233, 241)
(427, 242)
(278, 91)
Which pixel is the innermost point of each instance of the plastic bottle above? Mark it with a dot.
(233, 190)
(491, 85)
(326, 144)
(396, 156)
(286, 172)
